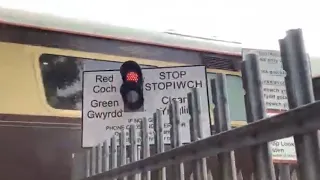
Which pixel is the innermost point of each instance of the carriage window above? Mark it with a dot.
(235, 97)
(62, 78)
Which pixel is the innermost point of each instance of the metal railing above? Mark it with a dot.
(302, 121)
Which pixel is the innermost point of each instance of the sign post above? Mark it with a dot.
(275, 97)
(104, 114)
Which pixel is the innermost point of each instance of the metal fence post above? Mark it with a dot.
(199, 166)
(174, 116)
(93, 161)
(87, 162)
(99, 159)
(158, 141)
(133, 147)
(255, 110)
(74, 167)
(78, 166)
(222, 123)
(114, 152)
(123, 149)
(145, 145)
(284, 172)
(299, 91)
(105, 156)
(139, 158)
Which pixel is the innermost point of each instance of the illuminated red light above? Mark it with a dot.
(132, 76)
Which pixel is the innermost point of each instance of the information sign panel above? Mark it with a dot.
(103, 109)
(275, 97)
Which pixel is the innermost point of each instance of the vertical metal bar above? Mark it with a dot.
(105, 156)
(253, 177)
(210, 175)
(158, 139)
(133, 147)
(294, 175)
(99, 159)
(174, 116)
(93, 161)
(114, 154)
(239, 176)
(79, 166)
(87, 163)
(284, 170)
(222, 123)
(299, 91)
(199, 166)
(138, 158)
(123, 149)
(74, 174)
(145, 145)
(129, 154)
(284, 174)
(255, 110)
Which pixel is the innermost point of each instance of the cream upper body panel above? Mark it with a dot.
(22, 87)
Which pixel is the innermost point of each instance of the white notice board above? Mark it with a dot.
(103, 116)
(283, 150)
(275, 97)
(272, 77)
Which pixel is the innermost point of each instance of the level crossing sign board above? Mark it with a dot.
(103, 108)
(283, 150)
(275, 98)
(272, 79)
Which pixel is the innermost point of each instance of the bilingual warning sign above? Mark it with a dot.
(272, 79)
(275, 98)
(103, 112)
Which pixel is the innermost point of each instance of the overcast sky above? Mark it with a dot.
(255, 23)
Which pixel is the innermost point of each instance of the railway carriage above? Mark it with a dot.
(42, 59)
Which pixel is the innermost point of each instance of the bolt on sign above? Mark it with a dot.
(275, 98)
(104, 113)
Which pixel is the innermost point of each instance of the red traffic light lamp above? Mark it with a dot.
(132, 87)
